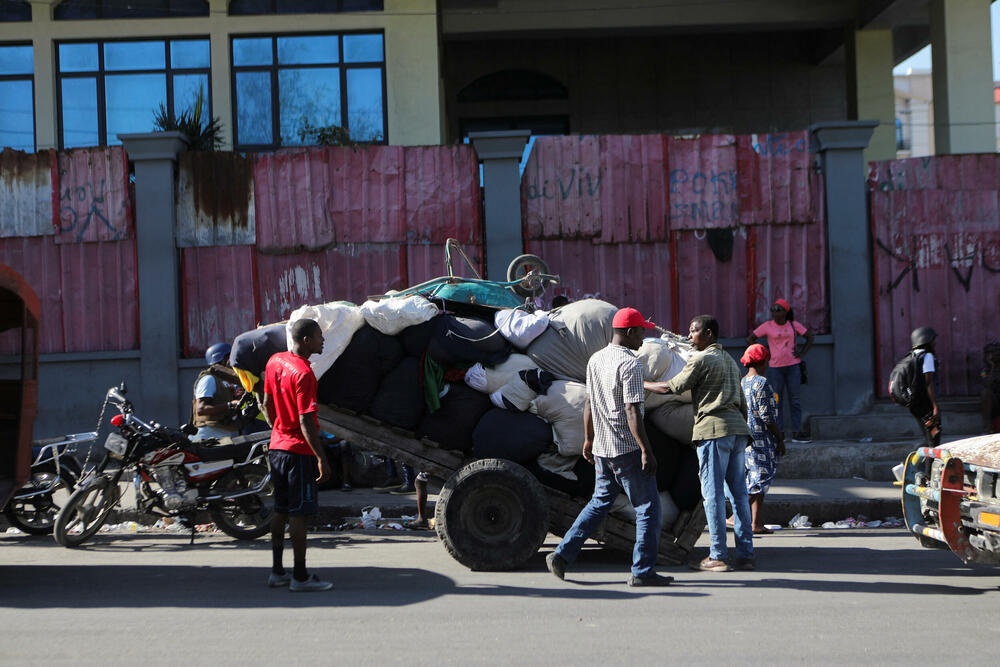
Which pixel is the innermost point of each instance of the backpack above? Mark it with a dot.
(906, 379)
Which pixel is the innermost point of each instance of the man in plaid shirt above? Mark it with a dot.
(616, 443)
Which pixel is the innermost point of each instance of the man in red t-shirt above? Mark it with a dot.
(298, 460)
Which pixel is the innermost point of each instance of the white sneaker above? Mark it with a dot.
(311, 584)
(279, 580)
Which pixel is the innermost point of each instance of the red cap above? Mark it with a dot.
(755, 354)
(784, 304)
(630, 317)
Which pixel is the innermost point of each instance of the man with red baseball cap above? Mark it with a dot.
(615, 442)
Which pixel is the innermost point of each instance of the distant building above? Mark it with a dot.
(914, 114)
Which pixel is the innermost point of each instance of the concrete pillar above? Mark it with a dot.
(500, 153)
(962, 69)
(45, 76)
(154, 155)
(221, 92)
(872, 95)
(840, 146)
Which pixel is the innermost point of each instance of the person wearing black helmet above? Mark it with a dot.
(924, 405)
(215, 396)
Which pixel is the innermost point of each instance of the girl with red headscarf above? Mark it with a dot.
(785, 372)
(766, 443)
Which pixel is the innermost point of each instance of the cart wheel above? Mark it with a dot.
(522, 266)
(492, 515)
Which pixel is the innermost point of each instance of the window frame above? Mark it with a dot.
(98, 6)
(30, 78)
(100, 73)
(273, 11)
(274, 68)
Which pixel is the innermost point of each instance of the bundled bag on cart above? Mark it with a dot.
(400, 399)
(516, 436)
(489, 379)
(663, 358)
(354, 378)
(575, 332)
(519, 326)
(252, 349)
(452, 424)
(338, 321)
(459, 341)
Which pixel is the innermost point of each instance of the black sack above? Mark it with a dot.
(459, 341)
(253, 348)
(416, 338)
(353, 379)
(400, 398)
(905, 379)
(452, 424)
(516, 436)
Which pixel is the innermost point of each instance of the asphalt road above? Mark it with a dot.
(868, 596)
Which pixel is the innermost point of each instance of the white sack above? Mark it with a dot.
(338, 321)
(520, 327)
(557, 463)
(562, 406)
(674, 419)
(518, 393)
(497, 377)
(392, 315)
(663, 358)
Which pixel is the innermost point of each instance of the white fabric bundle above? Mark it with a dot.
(663, 358)
(520, 327)
(562, 406)
(393, 314)
(557, 463)
(490, 380)
(338, 322)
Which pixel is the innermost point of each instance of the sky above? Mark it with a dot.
(921, 60)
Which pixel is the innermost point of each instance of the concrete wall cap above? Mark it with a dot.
(500, 144)
(843, 135)
(154, 145)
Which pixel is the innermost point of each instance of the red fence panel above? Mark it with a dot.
(443, 198)
(215, 199)
(730, 223)
(218, 295)
(25, 193)
(936, 236)
(90, 198)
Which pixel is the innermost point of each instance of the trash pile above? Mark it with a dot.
(801, 522)
(490, 383)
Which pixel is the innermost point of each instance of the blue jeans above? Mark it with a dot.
(722, 469)
(614, 475)
(787, 378)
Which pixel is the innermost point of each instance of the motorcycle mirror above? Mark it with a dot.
(122, 388)
(188, 429)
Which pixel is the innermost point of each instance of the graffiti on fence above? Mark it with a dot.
(960, 252)
(578, 182)
(778, 144)
(81, 206)
(704, 197)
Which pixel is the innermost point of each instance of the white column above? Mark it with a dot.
(875, 90)
(961, 62)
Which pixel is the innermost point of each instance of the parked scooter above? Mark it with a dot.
(54, 473)
(172, 477)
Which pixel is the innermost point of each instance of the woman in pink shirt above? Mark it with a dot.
(785, 374)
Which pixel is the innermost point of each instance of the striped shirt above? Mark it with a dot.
(720, 408)
(614, 379)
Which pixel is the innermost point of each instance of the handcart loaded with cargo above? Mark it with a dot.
(465, 380)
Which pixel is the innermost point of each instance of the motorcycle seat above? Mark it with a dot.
(238, 452)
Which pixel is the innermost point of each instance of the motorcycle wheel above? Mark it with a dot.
(36, 515)
(248, 517)
(85, 511)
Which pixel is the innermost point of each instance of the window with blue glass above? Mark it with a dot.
(17, 97)
(128, 9)
(283, 84)
(110, 88)
(245, 7)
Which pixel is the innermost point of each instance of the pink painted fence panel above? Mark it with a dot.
(592, 205)
(936, 239)
(443, 198)
(90, 199)
(88, 291)
(218, 295)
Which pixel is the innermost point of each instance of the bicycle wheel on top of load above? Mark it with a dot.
(519, 269)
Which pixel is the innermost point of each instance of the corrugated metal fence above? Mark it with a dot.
(936, 234)
(678, 226)
(66, 225)
(312, 225)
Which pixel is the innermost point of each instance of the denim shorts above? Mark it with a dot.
(294, 479)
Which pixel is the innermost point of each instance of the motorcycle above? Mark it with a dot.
(172, 477)
(54, 474)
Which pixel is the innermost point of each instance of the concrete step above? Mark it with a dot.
(830, 500)
(880, 471)
(883, 424)
(839, 459)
